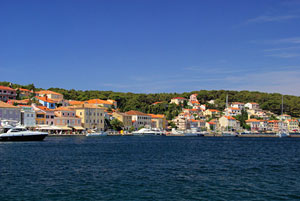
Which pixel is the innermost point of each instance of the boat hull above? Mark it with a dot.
(23, 138)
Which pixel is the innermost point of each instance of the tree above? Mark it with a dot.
(116, 124)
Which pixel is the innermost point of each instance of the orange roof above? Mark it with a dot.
(211, 123)
(132, 112)
(44, 108)
(254, 103)
(229, 117)
(6, 105)
(98, 101)
(24, 105)
(234, 108)
(74, 102)
(157, 116)
(25, 101)
(6, 88)
(48, 100)
(179, 98)
(213, 110)
(195, 94)
(156, 103)
(237, 103)
(252, 120)
(63, 109)
(292, 120)
(193, 102)
(47, 92)
(27, 90)
(273, 121)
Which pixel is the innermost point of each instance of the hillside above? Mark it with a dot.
(142, 102)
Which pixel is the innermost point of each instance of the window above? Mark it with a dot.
(73, 114)
(63, 114)
(94, 114)
(86, 121)
(80, 113)
(78, 121)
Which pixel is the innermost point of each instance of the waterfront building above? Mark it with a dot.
(292, 125)
(92, 116)
(66, 118)
(158, 121)
(181, 122)
(27, 116)
(197, 124)
(178, 100)
(140, 119)
(7, 93)
(49, 114)
(211, 125)
(229, 122)
(47, 102)
(273, 125)
(252, 106)
(9, 112)
(254, 124)
(263, 125)
(124, 118)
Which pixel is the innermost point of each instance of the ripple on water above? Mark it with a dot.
(150, 168)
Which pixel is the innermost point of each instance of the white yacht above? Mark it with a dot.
(147, 131)
(96, 134)
(18, 133)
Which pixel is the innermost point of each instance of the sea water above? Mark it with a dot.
(150, 168)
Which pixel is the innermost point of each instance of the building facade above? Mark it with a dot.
(7, 93)
(9, 112)
(92, 117)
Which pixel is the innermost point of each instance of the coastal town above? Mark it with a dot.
(49, 111)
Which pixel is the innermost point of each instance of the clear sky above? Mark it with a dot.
(152, 45)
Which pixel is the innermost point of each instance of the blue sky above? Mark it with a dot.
(152, 46)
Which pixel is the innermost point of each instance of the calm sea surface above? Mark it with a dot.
(150, 168)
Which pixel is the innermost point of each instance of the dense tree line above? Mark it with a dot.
(143, 102)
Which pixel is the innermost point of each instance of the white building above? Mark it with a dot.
(252, 106)
(140, 119)
(27, 116)
(238, 105)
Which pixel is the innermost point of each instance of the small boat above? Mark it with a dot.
(229, 134)
(19, 133)
(147, 131)
(94, 134)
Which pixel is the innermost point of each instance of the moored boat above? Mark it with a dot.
(21, 134)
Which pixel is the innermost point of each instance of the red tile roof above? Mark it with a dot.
(132, 112)
(6, 105)
(6, 88)
(180, 98)
(47, 92)
(48, 100)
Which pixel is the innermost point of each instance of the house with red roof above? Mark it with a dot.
(229, 122)
(7, 93)
(47, 102)
(178, 100)
(140, 119)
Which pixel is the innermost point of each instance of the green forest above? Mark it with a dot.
(143, 102)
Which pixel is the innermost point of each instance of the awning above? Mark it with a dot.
(78, 127)
(64, 128)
